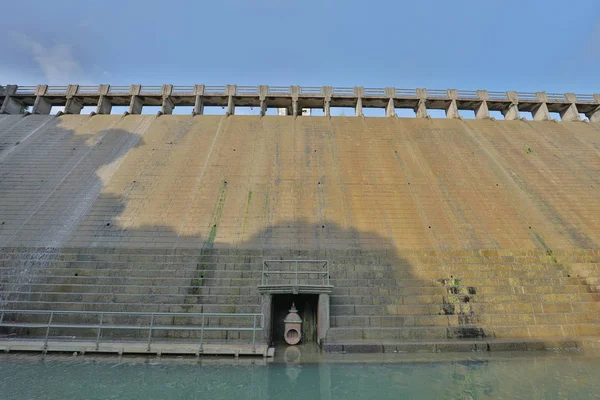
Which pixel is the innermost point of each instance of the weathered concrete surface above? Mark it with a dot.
(414, 213)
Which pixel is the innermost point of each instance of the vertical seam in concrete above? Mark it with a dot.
(198, 181)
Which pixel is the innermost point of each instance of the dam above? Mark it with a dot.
(157, 231)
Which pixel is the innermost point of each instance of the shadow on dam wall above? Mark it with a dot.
(69, 169)
(54, 202)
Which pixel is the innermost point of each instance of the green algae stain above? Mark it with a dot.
(208, 244)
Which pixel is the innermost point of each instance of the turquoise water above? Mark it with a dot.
(503, 376)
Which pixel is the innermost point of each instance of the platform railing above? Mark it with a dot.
(295, 273)
(101, 325)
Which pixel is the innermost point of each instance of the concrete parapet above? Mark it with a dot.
(539, 110)
(481, 110)
(452, 109)
(295, 98)
(11, 105)
(42, 105)
(511, 112)
(570, 113)
(198, 100)
(136, 104)
(104, 104)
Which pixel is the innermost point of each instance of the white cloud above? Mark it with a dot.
(57, 62)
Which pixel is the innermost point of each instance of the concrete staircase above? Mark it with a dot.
(469, 295)
(171, 281)
(378, 297)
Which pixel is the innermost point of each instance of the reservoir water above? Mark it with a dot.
(539, 375)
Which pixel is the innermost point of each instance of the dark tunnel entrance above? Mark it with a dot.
(306, 304)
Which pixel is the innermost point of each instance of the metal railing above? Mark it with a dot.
(343, 91)
(246, 90)
(437, 94)
(556, 97)
(56, 90)
(311, 90)
(587, 98)
(374, 92)
(214, 89)
(102, 325)
(26, 89)
(118, 90)
(497, 96)
(87, 89)
(406, 92)
(527, 96)
(279, 90)
(467, 94)
(295, 272)
(183, 89)
(151, 90)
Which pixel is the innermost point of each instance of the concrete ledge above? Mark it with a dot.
(158, 348)
(461, 346)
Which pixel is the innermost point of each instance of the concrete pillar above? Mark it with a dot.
(452, 110)
(73, 105)
(594, 115)
(570, 113)
(41, 105)
(11, 105)
(230, 90)
(104, 104)
(263, 90)
(135, 106)
(359, 92)
(390, 109)
(540, 111)
(511, 113)
(267, 309)
(421, 108)
(327, 92)
(167, 103)
(322, 317)
(481, 110)
(295, 91)
(199, 102)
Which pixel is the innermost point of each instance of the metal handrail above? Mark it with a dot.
(151, 89)
(374, 92)
(214, 89)
(279, 89)
(528, 96)
(151, 327)
(558, 97)
(118, 90)
(56, 89)
(343, 91)
(585, 98)
(323, 271)
(87, 89)
(439, 94)
(467, 94)
(247, 90)
(183, 89)
(26, 89)
(311, 90)
(497, 95)
(406, 92)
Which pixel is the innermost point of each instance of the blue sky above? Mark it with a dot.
(496, 45)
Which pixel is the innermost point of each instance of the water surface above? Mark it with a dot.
(563, 375)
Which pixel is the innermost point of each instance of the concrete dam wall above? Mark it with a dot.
(434, 229)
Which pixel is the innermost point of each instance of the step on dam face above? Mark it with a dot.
(434, 229)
